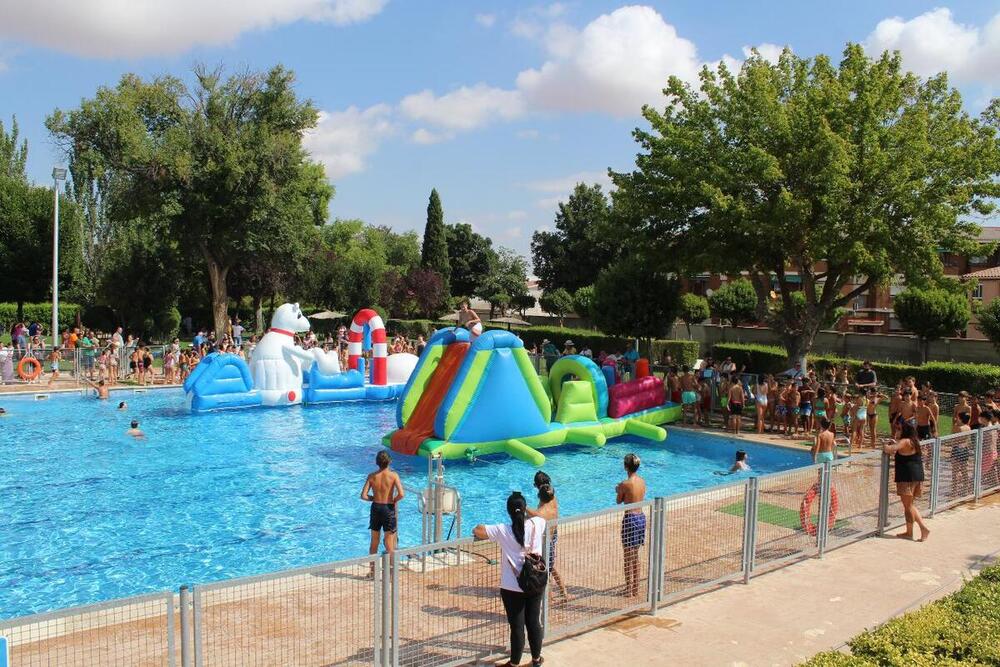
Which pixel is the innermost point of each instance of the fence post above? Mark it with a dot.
(935, 474)
(378, 634)
(394, 616)
(749, 527)
(185, 630)
(883, 496)
(657, 556)
(386, 608)
(977, 473)
(825, 503)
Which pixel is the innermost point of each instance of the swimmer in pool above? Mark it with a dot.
(134, 431)
(123, 406)
(739, 465)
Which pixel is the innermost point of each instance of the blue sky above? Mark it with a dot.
(500, 105)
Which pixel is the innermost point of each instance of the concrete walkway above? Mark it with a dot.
(787, 616)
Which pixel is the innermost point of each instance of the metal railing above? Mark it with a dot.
(437, 603)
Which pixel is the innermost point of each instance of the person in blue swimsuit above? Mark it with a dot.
(632, 490)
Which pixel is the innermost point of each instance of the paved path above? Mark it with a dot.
(788, 615)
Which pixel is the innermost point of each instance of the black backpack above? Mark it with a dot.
(534, 575)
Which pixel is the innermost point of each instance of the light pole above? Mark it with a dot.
(58, 174)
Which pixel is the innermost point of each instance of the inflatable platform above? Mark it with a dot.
(469, 398)
(281, 373)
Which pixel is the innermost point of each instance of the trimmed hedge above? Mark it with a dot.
(943, 376)
(38, 312)
(963, 628)
(682, 351)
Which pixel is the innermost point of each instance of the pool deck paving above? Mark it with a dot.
(788, 615)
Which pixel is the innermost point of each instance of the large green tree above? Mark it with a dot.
(507, 281)
(633, 299)
(734, 302)
(830, 177)
(557, 302)
(580, 246)
(932, 313)
(434, 252)
(221, 161)
(470, 257)
(693, 309)
(26, 214)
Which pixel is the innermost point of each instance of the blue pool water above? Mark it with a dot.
(89, 514)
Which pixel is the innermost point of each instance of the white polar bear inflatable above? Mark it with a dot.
(400, 366)
(277, 362)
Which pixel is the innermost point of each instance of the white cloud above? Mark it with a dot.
(615, 64)
(934, 42)
(517, 214)
(464, 108)
(769, 52)
(424, 136)
(565, 184)
(342, 140)
(486, 20)
(560, 188)
(530, 23)
(136, 28)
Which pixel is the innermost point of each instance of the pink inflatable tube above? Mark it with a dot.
(630, 397)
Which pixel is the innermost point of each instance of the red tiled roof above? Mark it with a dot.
(992, 273)
(990, 234)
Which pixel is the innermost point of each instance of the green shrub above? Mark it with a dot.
(837, 659)
(595, 340)
(961, 629)
(38, 312)
(683, 352)
(943, 376)
(757, 358)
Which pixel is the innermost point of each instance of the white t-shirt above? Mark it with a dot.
(501, 533)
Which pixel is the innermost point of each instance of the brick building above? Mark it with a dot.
(871, 312)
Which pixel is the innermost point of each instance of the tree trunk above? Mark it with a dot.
(258, 313)
(799, 344)
(924, 350)
(20, 311)
(220, 296)
(688, 325)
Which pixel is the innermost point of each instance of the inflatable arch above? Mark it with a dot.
(367, 318)
(584, 369)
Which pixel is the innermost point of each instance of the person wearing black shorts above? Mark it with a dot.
(383, 489)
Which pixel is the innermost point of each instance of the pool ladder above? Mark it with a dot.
(42, 397)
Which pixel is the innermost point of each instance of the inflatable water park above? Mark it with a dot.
(475, 396)
(280, 373)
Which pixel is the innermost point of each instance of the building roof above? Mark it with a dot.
(990, 234)
(992, 273)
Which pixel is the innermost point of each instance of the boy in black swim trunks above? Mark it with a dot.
(383, 490)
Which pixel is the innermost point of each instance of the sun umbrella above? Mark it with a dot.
(450, 317)
(511, 320)
(327, 315)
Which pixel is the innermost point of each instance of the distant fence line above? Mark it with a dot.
(433, 605)
(904, 348)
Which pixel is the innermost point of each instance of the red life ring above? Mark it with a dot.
(805, 510)
(36, 368)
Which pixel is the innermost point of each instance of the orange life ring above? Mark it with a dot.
(36, 371)
(805, 509)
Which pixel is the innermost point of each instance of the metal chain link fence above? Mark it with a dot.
(438, 604)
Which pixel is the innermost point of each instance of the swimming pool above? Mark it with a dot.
(89, 514)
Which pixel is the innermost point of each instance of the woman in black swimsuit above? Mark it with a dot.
(909, 464)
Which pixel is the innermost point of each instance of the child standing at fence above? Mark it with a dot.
(383, 490)
(632, 490)
(548, 509)
(54, 357)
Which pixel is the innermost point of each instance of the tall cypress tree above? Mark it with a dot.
(434, 254)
